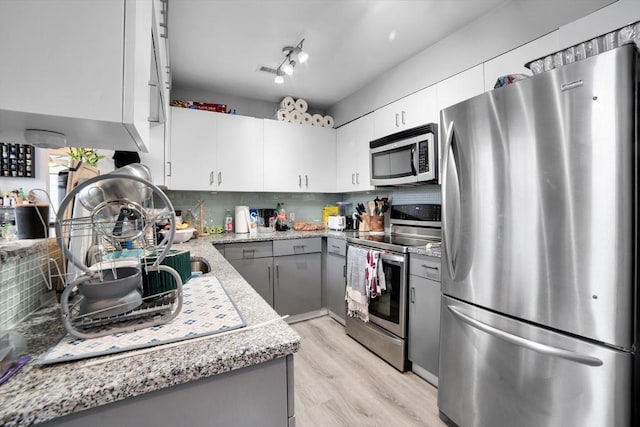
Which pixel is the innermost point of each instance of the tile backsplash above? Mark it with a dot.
(306, 206)
(23, 282)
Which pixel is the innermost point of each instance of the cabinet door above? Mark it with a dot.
(299, 158)
(460, 87)
(319, 159)
(258, 272)
(240, 153)
(298, 283)
(424, 325)
(413, 110)
(353, 170)
(336, 285)
(283, 154)
(193, 150)
(73, 73)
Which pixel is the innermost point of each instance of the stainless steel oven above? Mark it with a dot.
(386, 332)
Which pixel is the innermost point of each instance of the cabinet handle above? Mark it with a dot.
(299, 180)
(269, 273)
(353, 179)
(403, 120)
(247, 252)
(277, 273)
(219, 178)
(397, 123)
(344, 271)
(413, 295)
(335, 246)
(429, 267)
(358, 178)
(211, 178)
(169, 168)
(306, 181)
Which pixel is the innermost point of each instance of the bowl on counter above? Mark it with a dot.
(181, 236)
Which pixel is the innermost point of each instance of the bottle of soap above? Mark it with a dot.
(228, 221)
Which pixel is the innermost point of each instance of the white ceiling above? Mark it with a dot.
(218, 45)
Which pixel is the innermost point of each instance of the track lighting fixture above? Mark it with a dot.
(293, 55)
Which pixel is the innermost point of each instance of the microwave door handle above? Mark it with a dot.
(450, 218)
(414, 161)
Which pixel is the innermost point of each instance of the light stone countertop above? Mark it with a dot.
(40, 393)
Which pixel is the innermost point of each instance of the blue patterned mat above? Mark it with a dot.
(206, 310)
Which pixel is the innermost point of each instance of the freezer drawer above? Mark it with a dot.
(499, 372)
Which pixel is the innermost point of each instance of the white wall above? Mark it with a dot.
(510, 26)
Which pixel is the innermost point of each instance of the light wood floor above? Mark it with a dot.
(338, 382)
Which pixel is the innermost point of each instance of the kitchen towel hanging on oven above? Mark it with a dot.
(374, 275)
(356, 295)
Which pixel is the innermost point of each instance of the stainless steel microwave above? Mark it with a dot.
(406, 157)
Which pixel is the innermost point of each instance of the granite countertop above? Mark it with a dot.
(12, 249)
(40, 393)
(433, 250)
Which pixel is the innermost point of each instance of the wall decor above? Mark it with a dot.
(17, 160)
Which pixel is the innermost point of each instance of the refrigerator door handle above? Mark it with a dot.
(525, 343)
(445, 211)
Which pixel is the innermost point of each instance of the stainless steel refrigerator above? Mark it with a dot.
(539, 323)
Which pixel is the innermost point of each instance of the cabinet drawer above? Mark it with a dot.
(248, 250)
(336, 246)
(424, 266)
(297, 246)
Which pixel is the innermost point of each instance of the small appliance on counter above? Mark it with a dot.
(337, 222)
(345, 209)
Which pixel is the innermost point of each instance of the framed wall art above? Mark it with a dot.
(17, 161)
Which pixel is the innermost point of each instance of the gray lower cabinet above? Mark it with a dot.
(298, 275)
(258, 272)
(424, 316)
(335, 273)
(254, 262)
(286, 273)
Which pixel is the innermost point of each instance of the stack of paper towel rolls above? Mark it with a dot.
(295, 111)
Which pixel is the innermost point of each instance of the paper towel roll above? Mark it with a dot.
(283, 115)
(301, 105)
(296, 116)
(287, 103)
(327, 122)
(317, 120)
(307, 119)
(242, 219)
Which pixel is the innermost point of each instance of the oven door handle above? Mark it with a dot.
(391, 258)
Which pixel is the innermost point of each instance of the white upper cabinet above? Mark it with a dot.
(240, 151)
(353, 159)
(414, 110)
(78, 68)
(193, 150)
(513, 61)
(299, 158)
(460, 87)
